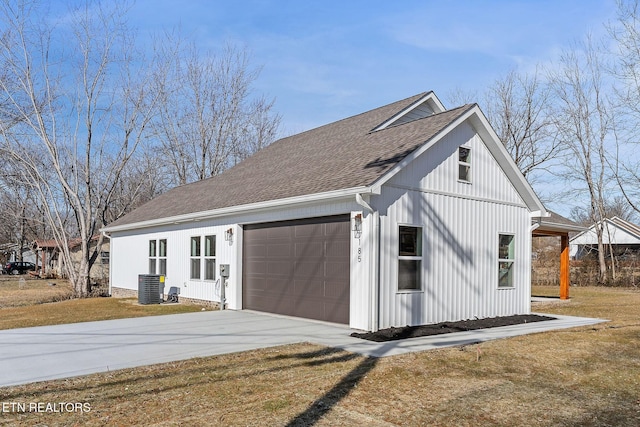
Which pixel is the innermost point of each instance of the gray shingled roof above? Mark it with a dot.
(556, 218)
(341, 155)
(557, 223)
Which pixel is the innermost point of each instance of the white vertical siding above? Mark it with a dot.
(129, 255)
(461, 223)
(437, 170)
(459, 261)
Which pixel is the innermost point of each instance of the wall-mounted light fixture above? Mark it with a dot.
(357, 226)
(228, 235)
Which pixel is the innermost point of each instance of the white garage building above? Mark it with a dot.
(406, 214)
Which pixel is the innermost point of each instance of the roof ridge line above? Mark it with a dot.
(375, 130)
(418, 95)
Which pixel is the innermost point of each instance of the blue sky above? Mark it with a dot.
(326, 60)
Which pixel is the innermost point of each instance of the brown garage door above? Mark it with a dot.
(298, 268)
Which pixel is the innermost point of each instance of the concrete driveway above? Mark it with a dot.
(51, 352)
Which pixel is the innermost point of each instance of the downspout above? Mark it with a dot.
(110, 261)
(535, 225)
(374, 267)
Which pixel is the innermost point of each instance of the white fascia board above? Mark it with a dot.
(613, 227)
(626, 226)
(582, 233)
(495, 147)
(592, 229)
(539, 214)
(435, 101)
(231, 210)
(430, 97)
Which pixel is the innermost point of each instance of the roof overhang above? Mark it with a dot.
(480, 123)
(549, 228)
(306, 199)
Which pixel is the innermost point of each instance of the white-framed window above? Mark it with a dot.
(195, 257)
(104, 257)
(203, 253)
(409, 258)
(157, 256)
(506, 260)
(153, 253)
(162, 257)
(209, 257)
(464, 164)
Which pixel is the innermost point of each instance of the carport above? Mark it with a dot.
(558, 226)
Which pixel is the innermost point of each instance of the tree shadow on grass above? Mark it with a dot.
(324, 404)
(321, 406)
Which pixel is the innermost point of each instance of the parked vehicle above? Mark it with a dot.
(18, 267)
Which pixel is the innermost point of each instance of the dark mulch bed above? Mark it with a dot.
(392, 334)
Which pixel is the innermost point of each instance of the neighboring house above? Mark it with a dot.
(404, 215)
(623, 236)
(100, 268)
(11, 252)
(49, 255)
(47, 252)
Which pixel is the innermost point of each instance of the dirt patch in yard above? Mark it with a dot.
(391, 334)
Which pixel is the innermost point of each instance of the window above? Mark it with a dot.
(506, 256)
(157, 257)
(104, 257)
(209, 257)
(410, 258)
(195, 257)
(162, 256)
(464, 164)
(152, 257)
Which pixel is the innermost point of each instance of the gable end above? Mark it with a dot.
(426, 106)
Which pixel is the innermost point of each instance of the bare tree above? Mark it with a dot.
(617, 206)
(88, 111)
(516, 106)
(583, 120)
(140, 181)
(458, 96)
(209, 119)
(517, 109)
(625, 32)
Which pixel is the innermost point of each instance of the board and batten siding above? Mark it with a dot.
(461, 224)
(437, 170)
(130, 255)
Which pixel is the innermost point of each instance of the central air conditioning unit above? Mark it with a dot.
(150, 288)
